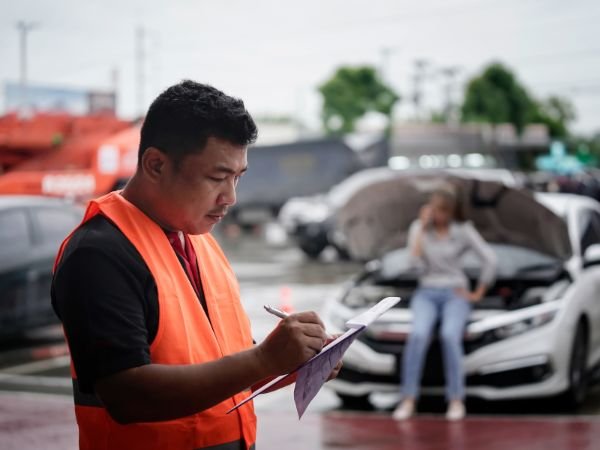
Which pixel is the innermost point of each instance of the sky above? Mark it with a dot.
(274, 54)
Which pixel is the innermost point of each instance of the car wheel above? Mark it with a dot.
(578, 379)
(361, 403)
(312, 249)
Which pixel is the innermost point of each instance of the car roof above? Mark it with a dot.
(14, 201)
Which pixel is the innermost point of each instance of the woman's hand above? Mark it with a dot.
(425, 216)
(471, 296)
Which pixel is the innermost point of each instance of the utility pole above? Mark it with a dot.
(24, 28)
(140, 60)
(421, 66)
(115, 78)
(449, 73)
(384, 72)
(386, 54)
(385, 61)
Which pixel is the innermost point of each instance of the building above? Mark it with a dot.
(469, 145)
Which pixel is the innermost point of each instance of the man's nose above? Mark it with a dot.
(227, 197)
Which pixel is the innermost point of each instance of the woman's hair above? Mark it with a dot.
(449, 198)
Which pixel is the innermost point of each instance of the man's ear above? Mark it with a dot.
(153, 164)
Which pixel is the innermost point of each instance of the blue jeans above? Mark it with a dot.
(429, 305)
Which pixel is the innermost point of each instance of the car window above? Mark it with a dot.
(14, 232)
(55, 224)
(589, 229)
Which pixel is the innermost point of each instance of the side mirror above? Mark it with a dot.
(375, 265)
(369, 269)
(591, 256)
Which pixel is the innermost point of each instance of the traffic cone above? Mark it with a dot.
(285, 300)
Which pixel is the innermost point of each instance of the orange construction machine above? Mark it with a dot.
(67, 156)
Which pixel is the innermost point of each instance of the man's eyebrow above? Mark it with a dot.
(229, 170)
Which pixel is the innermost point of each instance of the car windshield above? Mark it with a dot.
(512, 262)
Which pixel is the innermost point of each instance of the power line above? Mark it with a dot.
(570, 84)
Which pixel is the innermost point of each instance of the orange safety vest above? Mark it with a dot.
(184, 336)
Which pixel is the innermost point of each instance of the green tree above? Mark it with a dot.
(586, 148)
(352, 92)
(556, 113)
(496, 96)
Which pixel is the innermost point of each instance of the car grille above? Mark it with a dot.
(433, 370)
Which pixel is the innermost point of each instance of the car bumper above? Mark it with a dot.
(533, 364)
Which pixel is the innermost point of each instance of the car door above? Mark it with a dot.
(51, 225)
(16, 288)
(588, 225)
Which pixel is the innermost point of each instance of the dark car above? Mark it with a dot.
(31, 230)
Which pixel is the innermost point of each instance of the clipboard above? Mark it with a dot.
(314, 372)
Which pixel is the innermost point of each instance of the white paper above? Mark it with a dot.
(313, 374)
(368, 317)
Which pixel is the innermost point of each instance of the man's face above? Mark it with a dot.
(197, 193)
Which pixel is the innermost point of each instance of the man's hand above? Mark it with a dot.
(294, 341)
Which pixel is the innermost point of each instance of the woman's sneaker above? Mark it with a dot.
(456, 411)
(405, 410)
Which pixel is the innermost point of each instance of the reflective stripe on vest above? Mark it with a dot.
(184, 336)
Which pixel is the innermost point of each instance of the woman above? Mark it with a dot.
(436, 242)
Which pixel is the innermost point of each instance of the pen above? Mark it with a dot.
(276, 312)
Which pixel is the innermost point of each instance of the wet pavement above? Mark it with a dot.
(35, 389)
(41, 421)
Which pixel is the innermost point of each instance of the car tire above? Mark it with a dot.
(578, 377)
(312, 249)
(360, 403)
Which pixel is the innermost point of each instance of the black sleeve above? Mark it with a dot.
(103, 310)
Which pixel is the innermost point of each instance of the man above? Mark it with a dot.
(160, 344)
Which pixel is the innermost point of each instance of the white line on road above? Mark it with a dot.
(32, 380)
(38, 366)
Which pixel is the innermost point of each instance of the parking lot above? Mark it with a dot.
(36, 406)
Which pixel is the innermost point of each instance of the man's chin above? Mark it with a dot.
(203, 229)
(206, 225)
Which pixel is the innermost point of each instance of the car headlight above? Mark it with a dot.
(522, 326)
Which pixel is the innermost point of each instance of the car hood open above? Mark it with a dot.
(376, 219)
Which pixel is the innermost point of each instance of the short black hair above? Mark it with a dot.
(182, 118)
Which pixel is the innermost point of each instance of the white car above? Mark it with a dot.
(537, 331)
